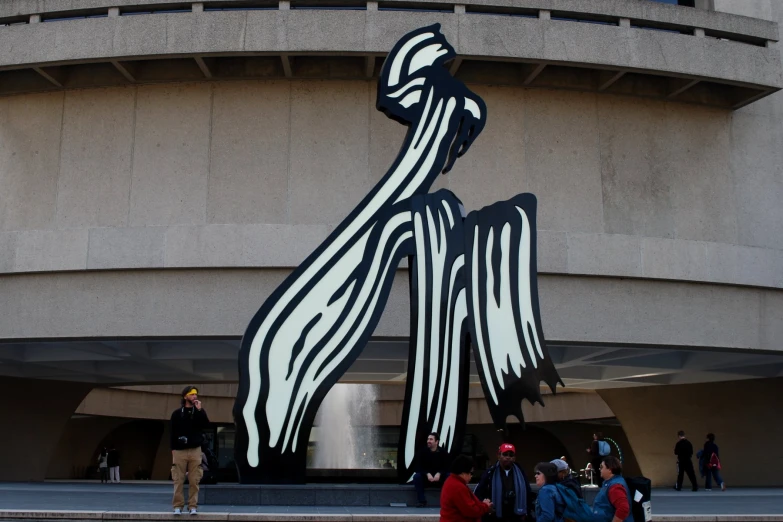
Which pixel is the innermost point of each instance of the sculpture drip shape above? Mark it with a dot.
(472, 277)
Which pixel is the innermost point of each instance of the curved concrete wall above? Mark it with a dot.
(255, 174)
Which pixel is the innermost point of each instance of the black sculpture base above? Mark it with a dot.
(313, 495)
(326, 495)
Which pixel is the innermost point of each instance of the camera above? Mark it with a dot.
(509, 495)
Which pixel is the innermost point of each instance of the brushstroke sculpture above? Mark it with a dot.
(471, 278)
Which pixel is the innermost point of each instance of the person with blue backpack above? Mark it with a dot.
(550, 505)
(613, 502)
(598, 449)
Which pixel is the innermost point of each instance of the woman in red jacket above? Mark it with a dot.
(457, 501)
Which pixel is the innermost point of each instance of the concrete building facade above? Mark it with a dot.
(163, 166)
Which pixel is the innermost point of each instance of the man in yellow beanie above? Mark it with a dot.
(187, 426)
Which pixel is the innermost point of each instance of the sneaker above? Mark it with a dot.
(707, 489)
(723, 487)
(193, 511)
(177, 511)
(422, 504)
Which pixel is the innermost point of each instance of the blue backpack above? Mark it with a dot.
(576, 509)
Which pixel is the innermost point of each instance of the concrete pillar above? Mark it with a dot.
(698, 32)
(543, 14)
(34, 416)
(459, 9)
(35, 19)
(197, 7)
(625, 23)
(114, 11)
(743, 415)
(372, 6)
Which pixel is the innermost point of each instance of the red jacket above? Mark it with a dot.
(458, 503)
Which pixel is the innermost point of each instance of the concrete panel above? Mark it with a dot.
(562, 163)
(494, 167)
(306, 29)
(635, 183)
(702, 191)
(138, 35)
(749, 266)
(756, 162)
(248, 179)
(266, 30)
(649, 312)
(673, 259)
(220, 302)
(29, 160)
(597, 253)
(51, 250)
(205, 32)
(248, 245)
(772, 321)
(95, 169)
(329, 150)
(7, 251)
(140, 247)
(552, 251)
(171, 155)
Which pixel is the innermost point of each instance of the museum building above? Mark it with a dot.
(164, 165)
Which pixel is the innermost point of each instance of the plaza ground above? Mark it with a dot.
(156, 497)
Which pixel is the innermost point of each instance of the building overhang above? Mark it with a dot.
(631, 48)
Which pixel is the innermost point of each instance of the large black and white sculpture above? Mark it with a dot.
(473, 282)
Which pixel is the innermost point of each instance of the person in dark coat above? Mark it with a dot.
(712, 466)
(457, 502)
(187, 426)
(506, 485)
(432, 467)
(113, 461)
(595, 456)
(684, 451)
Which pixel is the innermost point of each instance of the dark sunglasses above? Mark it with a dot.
(508, 453)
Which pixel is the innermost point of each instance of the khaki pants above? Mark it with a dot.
(187, 460)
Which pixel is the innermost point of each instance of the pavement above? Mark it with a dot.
(155, 497)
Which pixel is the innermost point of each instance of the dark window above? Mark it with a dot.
(684, 3)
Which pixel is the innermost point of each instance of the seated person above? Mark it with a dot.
(431, 468)
(506, 485)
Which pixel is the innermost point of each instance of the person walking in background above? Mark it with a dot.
(712, 466)
(187, 425)
(457, 502)
(613, 502)
(506, 485)
(598, 449)
(431, 468)
(684, 451)
(103, 466)
(549, 504)
(113, 461)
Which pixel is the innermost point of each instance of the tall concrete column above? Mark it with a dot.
(34, 416)
(743, 415)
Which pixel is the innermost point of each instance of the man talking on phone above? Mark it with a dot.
(187, 424)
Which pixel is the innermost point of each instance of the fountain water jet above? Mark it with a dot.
(346, 428)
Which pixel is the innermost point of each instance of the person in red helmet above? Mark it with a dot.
(506, 485)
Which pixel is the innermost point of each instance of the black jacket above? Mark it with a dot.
(113, 458)
(187, 425)
(484, 490)
(684, 450)
(433, 462)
